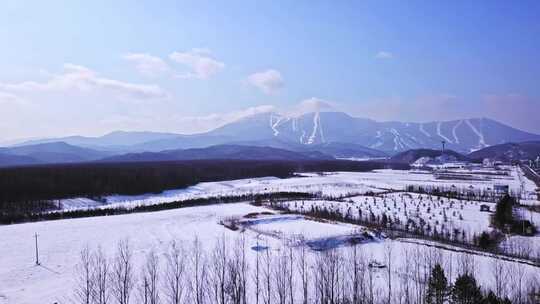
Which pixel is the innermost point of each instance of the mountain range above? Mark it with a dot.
(316, 134)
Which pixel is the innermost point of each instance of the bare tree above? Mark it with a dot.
(516, 274)
(219, 264)
(85, 280)
(199, 275)
(281, 276)
(101, 275)
(499, 273)
(257, 273)
(174, 274)
(405, 280)
(290, 272)
(327, 274)
(238, 273)
(303, 270)
(372, 291)
(123, 279)
(267, 276)
(388, 255)
(150, 284)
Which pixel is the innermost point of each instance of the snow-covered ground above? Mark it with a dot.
(61, 241)
(441, 214)
(327, 184)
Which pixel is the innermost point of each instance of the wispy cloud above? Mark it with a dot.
(310, 105)
(82, 79)
(199, 63)
(384, 55)
(147, 64)
(8, 98)
(177, 122)
(269, 81)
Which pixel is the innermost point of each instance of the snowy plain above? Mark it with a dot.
(338, 184)
(21, 281)
(60, 242)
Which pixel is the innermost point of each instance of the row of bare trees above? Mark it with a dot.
(232, 273)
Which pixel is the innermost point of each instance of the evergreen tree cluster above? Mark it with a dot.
(465, 290)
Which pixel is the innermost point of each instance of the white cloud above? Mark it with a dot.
(311, 105)
(384, 55)
(269, 81)
(82, 79)
(197, 124)
(176, 122)
(199, 63)
(8, 98)
(147, 64)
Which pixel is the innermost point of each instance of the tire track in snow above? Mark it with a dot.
(440, 134)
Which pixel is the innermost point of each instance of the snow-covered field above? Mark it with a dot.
(440, 214)
(338, 184)
(61, 241)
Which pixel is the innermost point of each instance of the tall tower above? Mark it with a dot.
(443, 144)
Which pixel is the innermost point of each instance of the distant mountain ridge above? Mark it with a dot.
(116, 140)
(315, 129)
(48, 153)
(392, 137)
(334, 134)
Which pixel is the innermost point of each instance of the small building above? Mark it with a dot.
(488, 162)
(501, 189)
(484, 208)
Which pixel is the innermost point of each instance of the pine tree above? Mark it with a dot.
(491, 298)
(503, 212)
(466, 291)
(437, 286)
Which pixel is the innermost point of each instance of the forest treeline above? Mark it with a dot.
(21, 215)
(22, 187)
(100, 179)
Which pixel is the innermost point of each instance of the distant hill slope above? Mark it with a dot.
(347, 150)
(236, 152)
(335, 133)
(54, 152)
(335, 149)
(410, 156)
(509, 151)
(118, 140)
(8, 160)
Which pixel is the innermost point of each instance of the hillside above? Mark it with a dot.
(235, 152)
(411, 156)
(509, 151)
(7, 160)
(45, 153)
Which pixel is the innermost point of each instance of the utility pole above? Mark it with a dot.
(37, 250)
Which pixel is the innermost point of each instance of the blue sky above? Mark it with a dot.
(89, 67)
